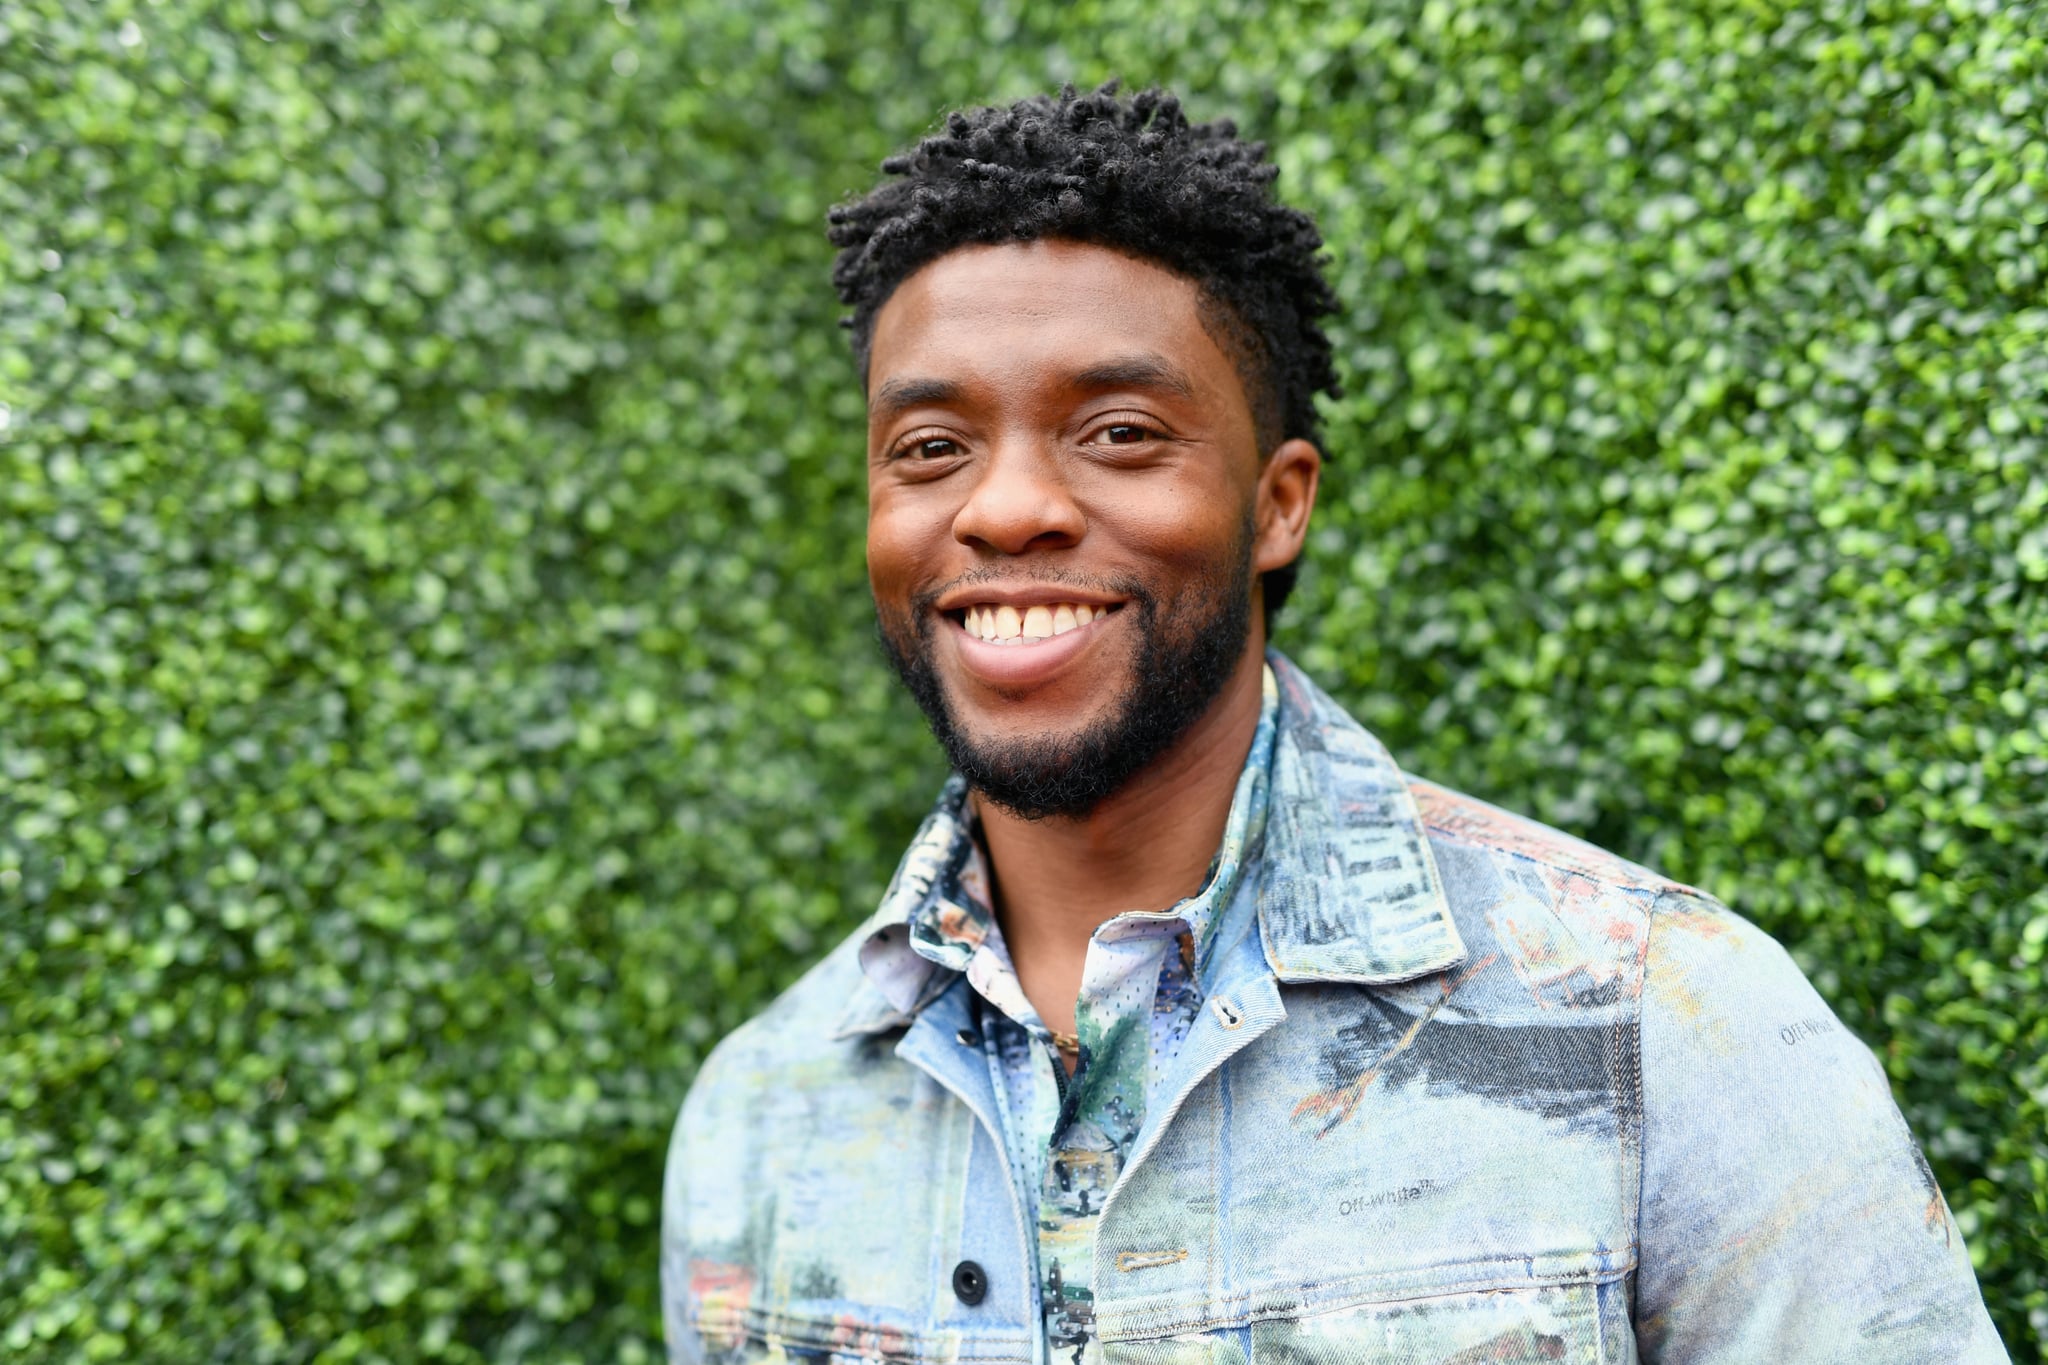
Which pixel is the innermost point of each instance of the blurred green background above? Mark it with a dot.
(437, 687)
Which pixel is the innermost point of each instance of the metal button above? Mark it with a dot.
(967, 1037)
(970, 1283)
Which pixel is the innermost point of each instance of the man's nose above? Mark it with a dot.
(1020, 501)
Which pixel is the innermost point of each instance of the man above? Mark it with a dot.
(1191, 1028)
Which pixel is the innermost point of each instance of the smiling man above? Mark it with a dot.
(1191, 1028)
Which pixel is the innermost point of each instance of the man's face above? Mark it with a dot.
(1064, 529)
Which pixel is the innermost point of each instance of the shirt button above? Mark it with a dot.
(967, 1037)
(970, 1283)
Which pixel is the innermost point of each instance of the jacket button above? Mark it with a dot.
(970, 1283)
(967, 1037)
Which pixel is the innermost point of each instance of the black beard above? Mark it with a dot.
(1173, 680)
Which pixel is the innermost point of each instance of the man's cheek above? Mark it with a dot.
(897, 625)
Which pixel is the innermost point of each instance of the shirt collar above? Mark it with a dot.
(1350, 890)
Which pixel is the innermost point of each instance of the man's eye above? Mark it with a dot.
(929, 448)
(1126, 433)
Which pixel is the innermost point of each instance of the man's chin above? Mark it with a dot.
(995, 717)
(1065, 767)
(1037, 779)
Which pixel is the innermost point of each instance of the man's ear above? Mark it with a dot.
(1286, 496)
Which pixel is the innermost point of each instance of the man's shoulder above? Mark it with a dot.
(1457, 827)
(1455, 820)
(1545, 897)
(1554, 905)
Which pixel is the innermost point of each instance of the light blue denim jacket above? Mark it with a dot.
(1465, 1089)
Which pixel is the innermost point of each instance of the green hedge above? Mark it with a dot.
(437, 691)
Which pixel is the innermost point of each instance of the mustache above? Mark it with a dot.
(921, 603)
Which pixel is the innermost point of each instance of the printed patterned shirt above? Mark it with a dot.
(1141, 986)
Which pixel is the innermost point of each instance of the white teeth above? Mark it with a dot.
(1006, 625)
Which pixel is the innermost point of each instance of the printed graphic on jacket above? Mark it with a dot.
(1413, 1078)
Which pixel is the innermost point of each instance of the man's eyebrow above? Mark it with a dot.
(1142, 371)
(898, 394)
(1145, 371)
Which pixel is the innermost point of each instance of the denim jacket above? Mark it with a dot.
(1464, 1089)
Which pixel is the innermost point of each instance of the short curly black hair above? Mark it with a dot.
(1132, 174)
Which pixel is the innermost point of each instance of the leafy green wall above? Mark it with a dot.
(437, 694)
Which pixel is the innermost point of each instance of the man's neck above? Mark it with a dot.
(1145, 848)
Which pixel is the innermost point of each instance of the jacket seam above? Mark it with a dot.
(1637, 1092)
(1363, 1298)
(826, 1335)
(1642, 1028)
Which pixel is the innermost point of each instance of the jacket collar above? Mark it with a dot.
(895, 980)
(1351, 893)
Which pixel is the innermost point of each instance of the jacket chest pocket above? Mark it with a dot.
(1576, 1324)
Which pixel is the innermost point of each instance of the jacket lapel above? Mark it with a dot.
(1349, 893)
(1243, 1005)
(933, 1045)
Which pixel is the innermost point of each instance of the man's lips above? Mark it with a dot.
(1028, 656)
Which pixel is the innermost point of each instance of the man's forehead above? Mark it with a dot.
(1078, 314)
